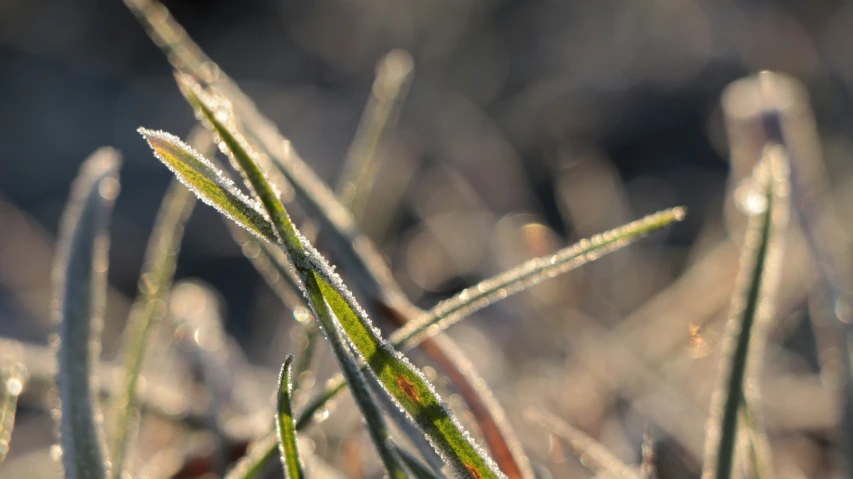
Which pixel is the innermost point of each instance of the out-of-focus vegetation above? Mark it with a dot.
(466, 138)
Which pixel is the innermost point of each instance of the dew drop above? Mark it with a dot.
(321, 415)
(14, 386)
(749, 200)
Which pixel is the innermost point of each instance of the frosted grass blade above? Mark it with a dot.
(393, 75)
(148, 308)
(475, 298)
(751, 310)
(404, 424)
(364, 263)
(209, 184)
(596, 457)
(234, 145)
(499, 287)
(358, 255)
(14, 380)
(334, 305)
(80, 291)
(285, 424)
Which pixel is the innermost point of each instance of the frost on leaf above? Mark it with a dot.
(208, 182)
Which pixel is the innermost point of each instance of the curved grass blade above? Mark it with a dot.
(335, 305)
(393, 75)
(356, 253)
(284, 423)
(80, 288)
(148, 308)
(751, 310)
(14, 380)
(596, 457)
(475, 298)
(235, 146)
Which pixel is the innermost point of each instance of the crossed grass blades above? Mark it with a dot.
(81, 266)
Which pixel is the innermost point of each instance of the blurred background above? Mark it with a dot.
(528, 125)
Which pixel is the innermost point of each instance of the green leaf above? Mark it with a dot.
(80, 292)
(596, 457)
(285, 424)
(14, 379)
(150, 304)
(208, 183)
(235, 146)
(750, 310)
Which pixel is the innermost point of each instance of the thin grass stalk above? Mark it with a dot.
(418, 469)
(14, 380)
(595, 456)
(757, 446)
(150, 304)
(750, 311)
(357, 254)
(328, 305)
(393, 77)
(284, 423)
(80, 291)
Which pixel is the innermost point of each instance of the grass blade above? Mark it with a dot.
(393, 75)
(14, 380)
(208, 183)
(238, 151)
(332, 302)
(750, 311)
(355, 252)
(80, 288)
(595, 456)
(148, 308)
(475, 298)
(285, 424)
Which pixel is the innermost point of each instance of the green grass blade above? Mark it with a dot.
(750, 311)
(393, 75)
(596, 457)
(208, 183)
(235, 146)
(14, 380)
(355, 252)
(148, 308)
(529, 274)
(334, 304)
(285, 424)
(80, 289)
